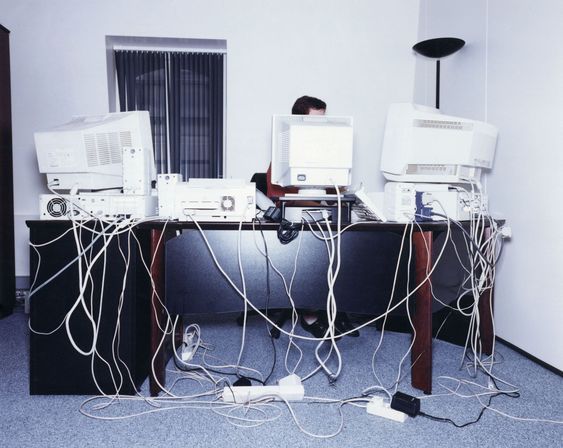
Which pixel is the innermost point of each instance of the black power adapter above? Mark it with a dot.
(242, 381)
(273, 214)
(406, 403)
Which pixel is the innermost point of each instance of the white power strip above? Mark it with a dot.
(188, 347)
(377, 406)
(289, 388)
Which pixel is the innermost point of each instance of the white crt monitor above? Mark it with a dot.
(312, 152)
(87, 152)
(422, 145)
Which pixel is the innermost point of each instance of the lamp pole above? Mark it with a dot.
(437, 49)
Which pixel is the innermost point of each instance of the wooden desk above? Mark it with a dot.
(423, 240)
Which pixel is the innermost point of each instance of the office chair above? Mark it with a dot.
(283, 315)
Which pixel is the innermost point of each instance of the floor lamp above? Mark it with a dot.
(436, 49)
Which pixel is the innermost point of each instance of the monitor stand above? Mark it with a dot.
(295, 207)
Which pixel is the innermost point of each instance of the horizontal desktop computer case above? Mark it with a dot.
(55, 366)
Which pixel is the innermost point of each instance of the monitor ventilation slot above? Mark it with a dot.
(443, 124)
(125, 138)
(105, 148)
(91, 154)
(284, 156)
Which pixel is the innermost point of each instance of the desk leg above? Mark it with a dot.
(486, 321)
(159, 356)
(486, 315)
(421, 354)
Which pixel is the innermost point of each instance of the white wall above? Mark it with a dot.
(526, 102)
(354, 55)
(510, 74)
(462, 75)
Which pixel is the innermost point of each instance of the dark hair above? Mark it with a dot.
(305, 103)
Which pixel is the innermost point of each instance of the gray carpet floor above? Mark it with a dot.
(55, 421)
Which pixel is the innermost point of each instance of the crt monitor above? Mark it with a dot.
(422, 145)
(86, 153)
(312, 152)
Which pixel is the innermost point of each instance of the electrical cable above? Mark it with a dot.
(288, 289)
(268, 297)
(457, 425)
(331, 300)
(382, 332)
(259, 312)
(194, 368)
(287, 231)
(243, 284)
(457, 223)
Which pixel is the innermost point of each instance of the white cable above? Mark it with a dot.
(331, 303)
(397, 266)
(287, 288)
(243, 283)
(259, 312)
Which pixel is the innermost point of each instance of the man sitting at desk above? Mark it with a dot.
(315, 323)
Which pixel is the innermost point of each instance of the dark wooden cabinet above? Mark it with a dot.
(118, 298)
(7, 263)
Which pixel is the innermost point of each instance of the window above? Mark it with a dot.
(184, 91)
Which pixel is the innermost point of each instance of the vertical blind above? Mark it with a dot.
(183, 93)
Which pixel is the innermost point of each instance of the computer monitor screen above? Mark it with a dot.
(422, 145)
(312, 152)
(87, 153)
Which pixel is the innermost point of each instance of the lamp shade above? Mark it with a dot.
(439, 47)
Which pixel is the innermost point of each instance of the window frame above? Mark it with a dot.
(187, 45)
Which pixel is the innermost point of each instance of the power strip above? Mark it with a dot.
(289, 388)
(377, 406)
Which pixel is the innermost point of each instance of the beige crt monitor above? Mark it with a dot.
(423, 145)
(87, 152)
(312, 152)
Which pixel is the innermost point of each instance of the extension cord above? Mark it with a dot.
(377, 406)
(288, 389)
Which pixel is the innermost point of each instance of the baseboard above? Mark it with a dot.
(544, 364)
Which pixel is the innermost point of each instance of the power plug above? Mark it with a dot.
(188, 347)
(188, 338)
(506, 232)
(273, 214)
(491, 384)
(377, 406)
(187, 353)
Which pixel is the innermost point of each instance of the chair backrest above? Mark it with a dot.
(261, 183)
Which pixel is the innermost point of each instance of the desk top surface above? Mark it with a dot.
(427, 226)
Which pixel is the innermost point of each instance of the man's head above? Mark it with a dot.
(308, 105)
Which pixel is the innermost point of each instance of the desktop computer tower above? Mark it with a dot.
(118, 300)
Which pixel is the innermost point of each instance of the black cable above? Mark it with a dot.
(448, 420)
(196, 368)
(288, 231)
(268, 295)
(185, 368)
(483, 409)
